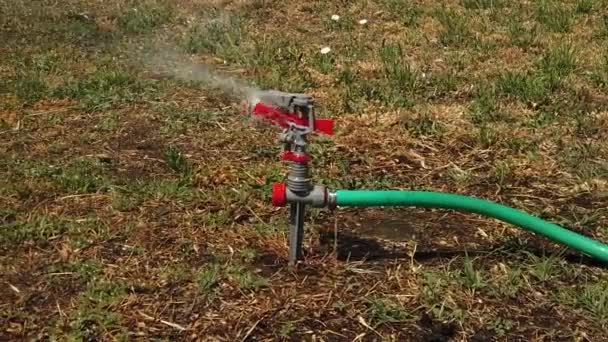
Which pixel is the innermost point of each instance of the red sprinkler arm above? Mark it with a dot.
(283, 118)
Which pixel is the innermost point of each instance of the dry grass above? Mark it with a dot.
(134, 206)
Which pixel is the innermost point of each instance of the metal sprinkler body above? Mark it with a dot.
(295, 113)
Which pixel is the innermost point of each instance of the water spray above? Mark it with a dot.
(295, 114)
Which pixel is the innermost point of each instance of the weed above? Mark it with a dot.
(500, 326)
(245, 278)
(90, 324)
(584, 6)
(406, 13)
(104, 89)
(443, 83)
(510, 284)
(125, 201)
(460, 176)
(455, 27)
(104, 293)
(109, 123)
(143, 19)
(433, 287)
(381, 311)
(483, 4)
(600, 73)
(470, 277)
(249, 254)
(82, 32)
(582, 158)
(520, 35)
(543, 268)
(586, 125)
(176, 160)
(500, 173)
(344, 24)
(424, 125)
(324, 63)
(286, 329)
(38, 228)
(594, 299)
(220, 34)
(558, 63)
(87, 270)
(82, 176)
(484, 108)
(554, 16)
(487, 136)
(208, 279)
(29, 88)
(170, 190)
(528, 88)
(541, 119)
(396, 69)
(94, 315)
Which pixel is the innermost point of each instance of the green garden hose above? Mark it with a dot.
(428, 199)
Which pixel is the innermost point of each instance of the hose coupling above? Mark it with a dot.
(318, 197)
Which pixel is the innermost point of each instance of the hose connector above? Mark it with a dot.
(318, 197)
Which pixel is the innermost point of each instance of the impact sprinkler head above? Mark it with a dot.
(295, 114)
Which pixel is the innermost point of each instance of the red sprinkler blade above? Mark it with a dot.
(282, 118)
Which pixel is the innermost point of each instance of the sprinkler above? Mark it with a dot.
(295, 114)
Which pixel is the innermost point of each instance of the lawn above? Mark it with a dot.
(134, 187)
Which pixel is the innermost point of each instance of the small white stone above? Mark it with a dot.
(325, 50)
(335, 17)
(362, 21)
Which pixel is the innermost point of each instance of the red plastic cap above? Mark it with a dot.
(298, 158)
(279, 194)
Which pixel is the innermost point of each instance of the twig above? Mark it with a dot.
(336, 237)
(220, 126)
(171, 324)
(61, 313)
(363, 323)
(251, 329)
(14, 288)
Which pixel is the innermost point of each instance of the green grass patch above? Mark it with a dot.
(554, 15)
(218, 33)
(584, 6)
(406, 13)
(44, 228)
(527, 87)
(484, 108)
(208, 279)
(382, 310)
(176, 161)
(593, 298)
(471, 277)
(483, 4)
(424, 125)
(246, 279)
(95, 316)
(521, 35)
(145, 17)
(105, 89)
(455, 27)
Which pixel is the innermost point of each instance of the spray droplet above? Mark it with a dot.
(335, 17)
(325, 50)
